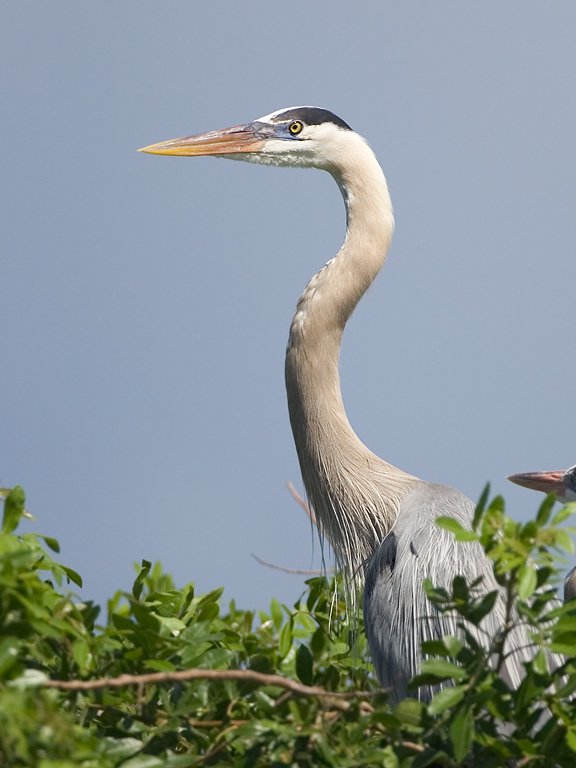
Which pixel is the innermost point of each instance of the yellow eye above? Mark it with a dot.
(295, 128)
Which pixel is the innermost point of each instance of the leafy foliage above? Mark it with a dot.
(48, 634)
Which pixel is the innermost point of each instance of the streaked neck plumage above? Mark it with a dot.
(355, 495)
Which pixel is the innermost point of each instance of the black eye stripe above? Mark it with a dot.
(311, 116)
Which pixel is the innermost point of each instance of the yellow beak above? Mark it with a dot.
(229, 141)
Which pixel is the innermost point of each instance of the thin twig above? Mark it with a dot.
(284, 569)
(412, 745)
(216, 723)
(302, 502)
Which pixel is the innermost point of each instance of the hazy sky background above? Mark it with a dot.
(145, 301)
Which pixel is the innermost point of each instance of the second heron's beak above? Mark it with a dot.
(228, 141)
(547, 482)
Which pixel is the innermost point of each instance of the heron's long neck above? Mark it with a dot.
(355, 495)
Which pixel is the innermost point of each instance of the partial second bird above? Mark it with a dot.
(562, 483)
(379, 520)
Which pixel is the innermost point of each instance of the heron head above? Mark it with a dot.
(561, 482)
(295, 136)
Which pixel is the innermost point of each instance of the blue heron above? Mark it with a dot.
(379, 520)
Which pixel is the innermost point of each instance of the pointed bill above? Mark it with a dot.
(547, 482)
(228, 141)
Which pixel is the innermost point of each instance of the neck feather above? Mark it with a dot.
(355, 495)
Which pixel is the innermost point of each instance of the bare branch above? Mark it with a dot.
(337, 700)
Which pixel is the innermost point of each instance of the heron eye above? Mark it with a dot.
(296, 127)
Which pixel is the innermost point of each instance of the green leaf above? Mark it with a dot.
(389, 721)
(483, 607)
(446, 698)
(564, 513)
(319, 642)
(51, 543)
(304, 665)
(437, 595)
(211, 597)
(173, 625)
(160, 665)
(453, 644)
(435, 648)
(276, 613)
(409, 712)
(497, 505)
(564, 541)
(527, 581)
(452, 525)
(460, 588)
(72, 575)
(121, 748)
(545, 510)
(144, 761)
(442, 670)
(138, 585)
(566, 622)
(340, 649)
(81, 654)
(462, 733)
(13, 509)
(571, 737)
(307, 622)
(540, 663)
(208, 612)
(481, 506)
(448, 646)
(285, 639)
(564, 642)
(387, 758)
(145, 617)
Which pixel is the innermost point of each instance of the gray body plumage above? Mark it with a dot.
(398, 615)
(378, 519)
(570, 585)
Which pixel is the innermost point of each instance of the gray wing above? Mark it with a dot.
(398, 616)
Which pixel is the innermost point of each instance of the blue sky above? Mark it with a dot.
(146, 301)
